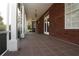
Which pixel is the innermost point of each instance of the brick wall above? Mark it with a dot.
(39, 25)
(56, 12)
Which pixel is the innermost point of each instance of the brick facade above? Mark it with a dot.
(57, 23)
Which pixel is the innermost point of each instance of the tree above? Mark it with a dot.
(1, 19)
(2, 25)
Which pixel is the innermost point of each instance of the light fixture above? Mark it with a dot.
(35, 13)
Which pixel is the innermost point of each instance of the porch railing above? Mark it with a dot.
(3, 40)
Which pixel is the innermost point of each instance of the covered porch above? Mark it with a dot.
(35, 44)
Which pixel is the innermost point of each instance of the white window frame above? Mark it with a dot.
(71, 21)
(45, 18)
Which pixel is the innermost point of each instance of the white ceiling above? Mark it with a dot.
(31, 7)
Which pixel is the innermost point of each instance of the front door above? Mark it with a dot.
(46, 25)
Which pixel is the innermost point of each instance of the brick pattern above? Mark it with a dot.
(57, 23)
(40, 25)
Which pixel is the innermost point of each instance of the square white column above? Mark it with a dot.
(22, 34)
(26, 27)
(13, 43)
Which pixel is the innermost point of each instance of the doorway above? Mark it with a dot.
(46, 25)
(33, 25)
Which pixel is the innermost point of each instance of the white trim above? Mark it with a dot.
(22, 34)
(4, 32)
(3, 52)
(64, 16)
(45, 18)
(47, 33)
(69, 21)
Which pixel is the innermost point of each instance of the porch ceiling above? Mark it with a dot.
(40, 7)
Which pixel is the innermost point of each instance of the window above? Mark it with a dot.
(72, 16)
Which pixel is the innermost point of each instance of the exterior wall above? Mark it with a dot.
(40, 25)
(57, 24)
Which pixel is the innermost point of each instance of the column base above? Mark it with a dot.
(22, 35)
(12, 45)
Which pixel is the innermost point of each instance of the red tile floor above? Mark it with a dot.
(42, 45)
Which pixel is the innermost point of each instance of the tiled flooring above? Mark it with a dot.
(42, 45)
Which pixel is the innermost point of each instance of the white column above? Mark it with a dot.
(22, 34)
(7, 26)
(26, 25)
(12, 45)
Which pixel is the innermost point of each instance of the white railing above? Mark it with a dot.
(4, 32)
